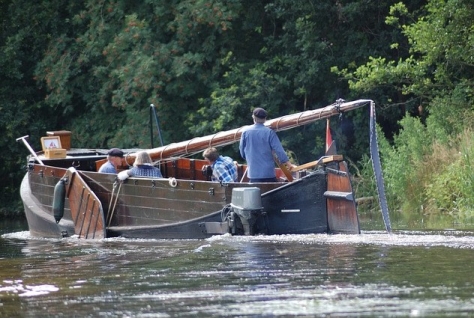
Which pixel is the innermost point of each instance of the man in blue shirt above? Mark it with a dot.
(223, 167)
(257, 145)
(114, 159)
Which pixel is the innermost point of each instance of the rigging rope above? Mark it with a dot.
(111, 212)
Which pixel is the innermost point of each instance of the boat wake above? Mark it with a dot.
(445, 238)
(442, 238)
(22, 290)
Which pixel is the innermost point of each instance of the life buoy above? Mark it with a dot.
(59, 199)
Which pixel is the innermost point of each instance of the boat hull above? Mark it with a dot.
(41, 222)
(296, 208)
(169, 208)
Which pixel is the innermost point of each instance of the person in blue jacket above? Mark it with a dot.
(257, 145)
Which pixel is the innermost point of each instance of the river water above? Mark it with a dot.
(408, 273)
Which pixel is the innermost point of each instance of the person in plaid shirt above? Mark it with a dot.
(223, 167)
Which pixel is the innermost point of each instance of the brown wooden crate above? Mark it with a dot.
(55, 153)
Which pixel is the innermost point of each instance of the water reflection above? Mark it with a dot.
(375, 274)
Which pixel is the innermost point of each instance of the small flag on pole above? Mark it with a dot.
(328, 136)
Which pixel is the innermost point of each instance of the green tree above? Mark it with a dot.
(437, 73)
(26, 29)
(301, 43)
(126, 55)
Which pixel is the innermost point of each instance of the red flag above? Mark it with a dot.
(328, 135)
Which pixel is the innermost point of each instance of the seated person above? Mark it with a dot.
(114, 159)
(223, 167)
(142, 167)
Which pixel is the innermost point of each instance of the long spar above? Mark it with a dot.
(232, 136)
(229, 137)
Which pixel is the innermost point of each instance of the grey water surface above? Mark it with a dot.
(408, 273)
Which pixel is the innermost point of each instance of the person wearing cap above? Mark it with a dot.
(142, 167)
(257, 145)
(223, 167)
(114, 159)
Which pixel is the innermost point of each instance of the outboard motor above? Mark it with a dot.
(246, 204)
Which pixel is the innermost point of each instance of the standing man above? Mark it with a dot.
(257, 145)
(114, 159)
(223, 167)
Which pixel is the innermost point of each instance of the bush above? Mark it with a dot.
(428, 168)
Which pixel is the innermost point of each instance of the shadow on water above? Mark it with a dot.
(409, 273)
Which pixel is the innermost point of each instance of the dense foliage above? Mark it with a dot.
(428, 168)
(94, 67)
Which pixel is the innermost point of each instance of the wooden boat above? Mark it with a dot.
(66, 196)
